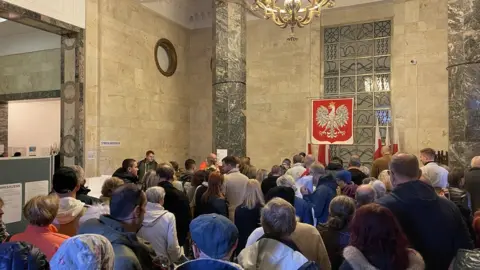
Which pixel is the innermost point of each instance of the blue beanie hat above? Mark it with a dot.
(345, 176)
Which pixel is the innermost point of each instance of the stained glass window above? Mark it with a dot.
(357, 63)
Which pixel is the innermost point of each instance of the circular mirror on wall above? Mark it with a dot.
(165, 57)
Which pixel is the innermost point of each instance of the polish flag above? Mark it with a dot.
(307, 142)
(378, 141)
(387, 137)
(323, 154)
(395, 147)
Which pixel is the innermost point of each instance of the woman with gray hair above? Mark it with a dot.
(159, 226)
(303, 209)
(274, 250)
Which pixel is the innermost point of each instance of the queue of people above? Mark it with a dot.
(230, 215)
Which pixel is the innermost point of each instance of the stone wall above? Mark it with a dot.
(30, 72)
(127, 99)
(4, 126)
(283, 75)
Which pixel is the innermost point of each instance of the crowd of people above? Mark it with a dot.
(227, 214)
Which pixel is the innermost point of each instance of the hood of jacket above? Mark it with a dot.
(186, 176)
(94, 211)
(154, 211)
(69, 209)
(112, 230)
(358, 262)
(271, 254)
(328, 181)
(201, 264)
(83, 190)
(415, 191)
(350, 190)
(125, 176)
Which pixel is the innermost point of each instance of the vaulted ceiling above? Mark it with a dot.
(198, 13)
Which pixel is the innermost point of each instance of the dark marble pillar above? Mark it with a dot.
(464, 81)
(4, 126)
(229, 77)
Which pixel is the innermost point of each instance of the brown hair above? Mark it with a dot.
(110, 185)
(41, 210)
(214, 190)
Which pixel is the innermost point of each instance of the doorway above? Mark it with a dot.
(71, 77)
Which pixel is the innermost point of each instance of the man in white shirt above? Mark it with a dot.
(431, 171)
(297, 169)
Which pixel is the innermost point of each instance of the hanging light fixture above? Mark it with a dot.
(294, 12)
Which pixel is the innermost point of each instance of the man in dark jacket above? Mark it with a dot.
(354, 169)
(128, 172)
(433, 224)
(472, 183)
(147, 164)
(127, 209)
(175, 201)
(323, 195)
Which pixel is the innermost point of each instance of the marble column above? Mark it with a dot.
(229, 77)
(464, 81)
(4, 126)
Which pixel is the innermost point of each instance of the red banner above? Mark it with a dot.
(332, 121)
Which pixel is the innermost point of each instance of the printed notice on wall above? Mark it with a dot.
(12, 198)
(221, 153)
(36, 188)
(110, 143)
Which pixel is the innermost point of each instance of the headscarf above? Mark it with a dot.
(84, 251)
(20, 255)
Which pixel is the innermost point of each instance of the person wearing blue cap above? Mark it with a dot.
(215, 238)
(344, 182)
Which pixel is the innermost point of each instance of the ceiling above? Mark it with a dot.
(198, 13)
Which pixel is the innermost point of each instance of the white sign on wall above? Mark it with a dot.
(110, 143)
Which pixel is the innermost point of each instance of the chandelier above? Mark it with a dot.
(294, 12)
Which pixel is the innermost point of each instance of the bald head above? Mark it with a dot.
(365, 194)
(405, 167)
(386, 150)
(309, 160)
(475, 162)
(211, 159)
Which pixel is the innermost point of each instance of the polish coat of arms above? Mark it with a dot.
(332, 121)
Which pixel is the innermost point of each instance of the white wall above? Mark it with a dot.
(69, 11)
(34, 123)
(29, 42)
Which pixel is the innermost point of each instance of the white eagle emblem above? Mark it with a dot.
(332, 121)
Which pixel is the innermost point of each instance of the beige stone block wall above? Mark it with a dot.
(128, 100)
(420, 92)
(30, 72)
(200, 92)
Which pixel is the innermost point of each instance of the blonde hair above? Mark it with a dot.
(262, 174)
(384, 176)
(253, 194)
(110, 185)
(151, 179)
(41, 210)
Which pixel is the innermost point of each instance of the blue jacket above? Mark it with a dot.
(321, 198)
(304, 211)
(131, 252)
(201, 264)
(20, 255)
(434, 225)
